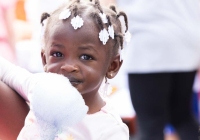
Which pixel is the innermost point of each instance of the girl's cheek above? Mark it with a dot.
(53, 68)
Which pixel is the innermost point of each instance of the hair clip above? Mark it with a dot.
(111, 31)
(103, 36)
(127, 37)
(121, 53)
(77, 22)
(103, 17)
(65, 14)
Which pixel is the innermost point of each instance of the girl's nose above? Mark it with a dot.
(69, 68)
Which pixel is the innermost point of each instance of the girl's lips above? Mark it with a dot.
(74, 81)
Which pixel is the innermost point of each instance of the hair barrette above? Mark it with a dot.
(77, 22)
(121, 53)
(111, 31)
(127, 37)
(65, 14)
(103, 36)
(103, 17)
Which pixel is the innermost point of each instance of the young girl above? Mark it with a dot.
(82, 41)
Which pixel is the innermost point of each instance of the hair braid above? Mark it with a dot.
(125, 19)
(112, 7)
(97, 4)
(43, 17)
(109, 21)
(99, 20)
(120, 36)
(75, 10)
(74, 7)
(92, 9)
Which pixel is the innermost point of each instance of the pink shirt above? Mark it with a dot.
(103, 125)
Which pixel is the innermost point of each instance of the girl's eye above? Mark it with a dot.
(57, 54)
(86, 57)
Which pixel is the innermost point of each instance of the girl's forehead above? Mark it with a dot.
(64, 29)
(88, 35)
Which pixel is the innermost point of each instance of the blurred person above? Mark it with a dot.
(162, 60)
(7, 37)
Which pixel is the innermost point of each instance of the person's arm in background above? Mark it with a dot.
(13, 110)
(9, 18)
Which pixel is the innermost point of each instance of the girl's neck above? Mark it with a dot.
(94, 103)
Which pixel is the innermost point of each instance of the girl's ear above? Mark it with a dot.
(43, 57)
(114, 67)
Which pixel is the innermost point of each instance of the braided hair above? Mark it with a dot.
(91, 9)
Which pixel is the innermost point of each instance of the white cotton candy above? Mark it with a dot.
(56, 104)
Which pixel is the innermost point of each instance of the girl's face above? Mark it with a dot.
(78, 54)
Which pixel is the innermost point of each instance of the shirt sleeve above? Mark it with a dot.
(16, 77)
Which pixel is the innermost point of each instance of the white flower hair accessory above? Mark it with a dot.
(121, 53)
(77, 22)
(103, 17)
(126, 34)
(127, 37)
(103, 36)
(65, 14)
(111, 31)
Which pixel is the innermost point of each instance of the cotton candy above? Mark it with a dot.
(56, 104)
